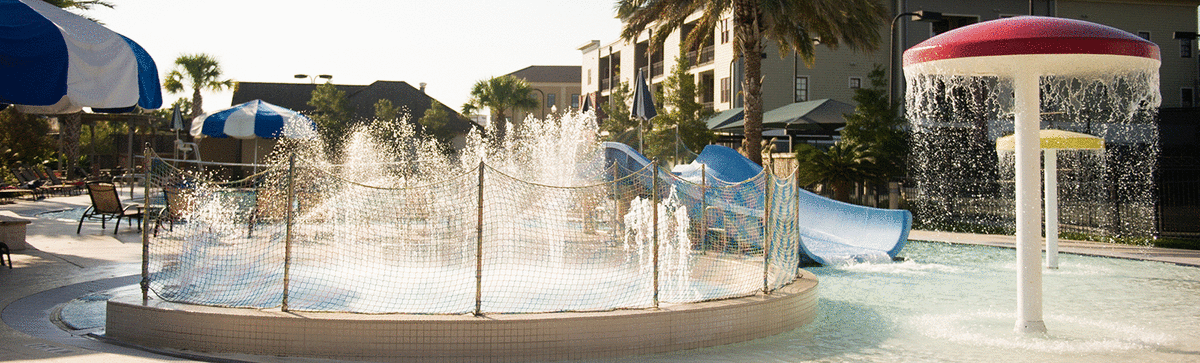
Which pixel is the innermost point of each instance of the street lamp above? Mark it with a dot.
(541, 104)
(313, 79)
(919, 15)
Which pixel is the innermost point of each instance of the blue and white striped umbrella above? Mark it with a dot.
(255, 119)
(58, 62)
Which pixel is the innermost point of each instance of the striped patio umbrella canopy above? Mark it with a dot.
(255, 120)
(57, 62)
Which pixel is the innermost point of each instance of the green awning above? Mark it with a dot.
(723, 118)
(823, 114)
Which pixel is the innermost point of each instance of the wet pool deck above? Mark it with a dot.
(60, 265)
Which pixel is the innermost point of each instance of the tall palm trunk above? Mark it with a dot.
(70, 125)
(747, 14)
(501, 128)
(197, 103)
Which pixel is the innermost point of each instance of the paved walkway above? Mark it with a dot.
(61, 265)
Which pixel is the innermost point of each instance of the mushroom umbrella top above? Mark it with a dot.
(1056, 139)
(1031, 44)
(59, 62)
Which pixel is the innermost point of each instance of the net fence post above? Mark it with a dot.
(145, 283)
(287, 241)
(796, 230)
(704, 208)
(654, 224)
(479, 244)
(767, 231)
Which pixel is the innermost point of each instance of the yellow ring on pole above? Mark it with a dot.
(1056, 139)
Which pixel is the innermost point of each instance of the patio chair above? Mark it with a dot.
(107, 205)
(176, 201)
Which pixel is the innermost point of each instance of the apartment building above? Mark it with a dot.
(836, 73)
(556, 87)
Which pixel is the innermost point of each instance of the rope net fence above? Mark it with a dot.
(304, 236)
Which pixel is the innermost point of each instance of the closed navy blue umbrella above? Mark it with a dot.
(643, 100)
(643, 105)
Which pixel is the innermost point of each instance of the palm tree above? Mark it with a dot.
(844, 164)
(794, 26)
(201, 71)
(499, 94)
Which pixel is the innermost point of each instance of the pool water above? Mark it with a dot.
(957, 303)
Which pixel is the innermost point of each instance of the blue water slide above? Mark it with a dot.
(831, 232)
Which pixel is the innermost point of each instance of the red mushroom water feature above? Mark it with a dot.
(1023, 49)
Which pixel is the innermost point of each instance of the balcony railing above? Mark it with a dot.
(704, 57)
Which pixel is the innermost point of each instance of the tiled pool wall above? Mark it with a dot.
(463, 338)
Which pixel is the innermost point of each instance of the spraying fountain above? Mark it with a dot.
(1021, 51)
(511, 252)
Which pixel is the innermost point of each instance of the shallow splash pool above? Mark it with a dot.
(954, 303)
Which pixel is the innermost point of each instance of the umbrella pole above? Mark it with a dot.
(255, 161)
(175, 148)
(129, 147)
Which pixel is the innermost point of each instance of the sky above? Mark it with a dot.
(448, 44)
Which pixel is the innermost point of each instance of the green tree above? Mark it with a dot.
(618, 124)
(163, 115)
(23, 138)
(839, 167)
(500, 94)
(81, 5)
(792, 25)
(877, 124)
(679, 124)
(436, 123)
(332, 115)
(385, 111)
(200, 72)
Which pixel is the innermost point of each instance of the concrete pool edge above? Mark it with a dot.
(495, 338)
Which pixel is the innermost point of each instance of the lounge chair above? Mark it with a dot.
(26, 182)
(51, 183)
(107, 205)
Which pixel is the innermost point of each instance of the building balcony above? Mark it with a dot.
(702, 58)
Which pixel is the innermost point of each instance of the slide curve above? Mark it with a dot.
(831, 232)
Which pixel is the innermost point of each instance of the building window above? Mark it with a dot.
(724, 31)
(801, 88)
(550, 100)
(951, 22)
(575, 100)
(1144, 35)
(1185, 48)
(1186, 97)
(855, 82)
(725, 90)
(589, 77)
